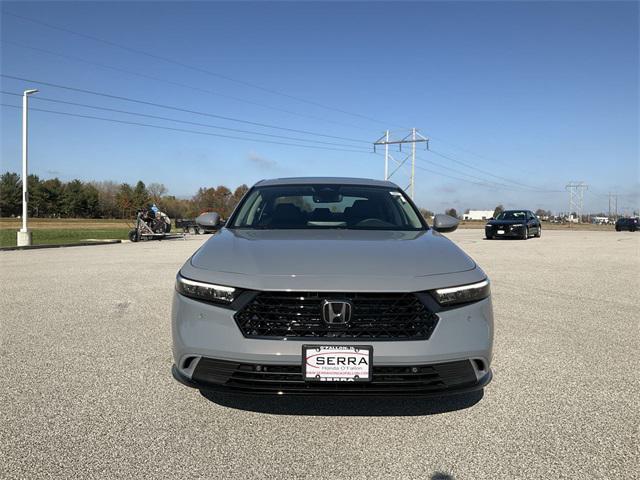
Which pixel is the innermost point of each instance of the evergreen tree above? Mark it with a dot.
(72, 200)
(10, 194)
(51, 194)
(140, 195)
(90, 201)
(35, 196)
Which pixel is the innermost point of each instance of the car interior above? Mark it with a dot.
(290, 209)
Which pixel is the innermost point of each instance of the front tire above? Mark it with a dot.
(539, 232)
(133, 236)
(525, 233)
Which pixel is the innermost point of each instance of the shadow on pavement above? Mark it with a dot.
(345, 406)
(441, 476)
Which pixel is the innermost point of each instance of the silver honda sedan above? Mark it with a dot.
(332, 286)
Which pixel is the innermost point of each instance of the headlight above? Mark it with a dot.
(204, 291)
(463, 294)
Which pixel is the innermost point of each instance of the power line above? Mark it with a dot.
(491, 174)
(349, 148)
(222, 95)
(440, 173)
(191, 67)
(178, 109)
(125, 122)
(179, 84)
(157, 117)
(456, 178)
(225, 77)
(244, 139)
(387, 140)
(484, 180)
(485, 157)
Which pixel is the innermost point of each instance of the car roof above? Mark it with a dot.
(326, 180)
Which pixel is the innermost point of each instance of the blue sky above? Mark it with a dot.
(528, 94)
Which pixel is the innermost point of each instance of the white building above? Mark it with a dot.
(478, 215)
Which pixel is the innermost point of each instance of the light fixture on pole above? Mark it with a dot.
(24, 235)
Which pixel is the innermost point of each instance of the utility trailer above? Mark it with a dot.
(208, 222)
(189, 225)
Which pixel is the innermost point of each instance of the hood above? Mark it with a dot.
(385, 259)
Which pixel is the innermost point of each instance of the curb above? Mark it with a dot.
(61, 245)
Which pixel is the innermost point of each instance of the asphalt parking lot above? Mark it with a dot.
(87, 390)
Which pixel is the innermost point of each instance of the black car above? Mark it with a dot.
(631, 224)
(514, 224)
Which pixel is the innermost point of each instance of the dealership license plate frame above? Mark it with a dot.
(338, 348)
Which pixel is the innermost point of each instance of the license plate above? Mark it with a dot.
(337, 363)
(500, 232)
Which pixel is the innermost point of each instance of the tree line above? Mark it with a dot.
(53, 198)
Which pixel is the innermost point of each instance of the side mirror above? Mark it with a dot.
(208, 220)
(445, 223)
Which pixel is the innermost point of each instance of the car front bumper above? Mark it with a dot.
(273, 382)
(210, 352)
(509, 231)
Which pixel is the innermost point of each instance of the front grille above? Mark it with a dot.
(250, 378)
(374, 316)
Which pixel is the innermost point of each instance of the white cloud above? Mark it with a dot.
(262, 162)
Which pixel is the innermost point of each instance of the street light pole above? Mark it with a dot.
(24, 235)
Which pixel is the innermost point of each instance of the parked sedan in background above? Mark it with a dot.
(631, 224)
(515, 224)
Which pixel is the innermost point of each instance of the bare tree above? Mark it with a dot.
(157, 191)
(107, 198)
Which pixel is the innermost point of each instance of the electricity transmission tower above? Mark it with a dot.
(576, 197)
(615, 195)
(413, 137)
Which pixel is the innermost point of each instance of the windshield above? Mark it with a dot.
(512, 215)
(326, 206)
